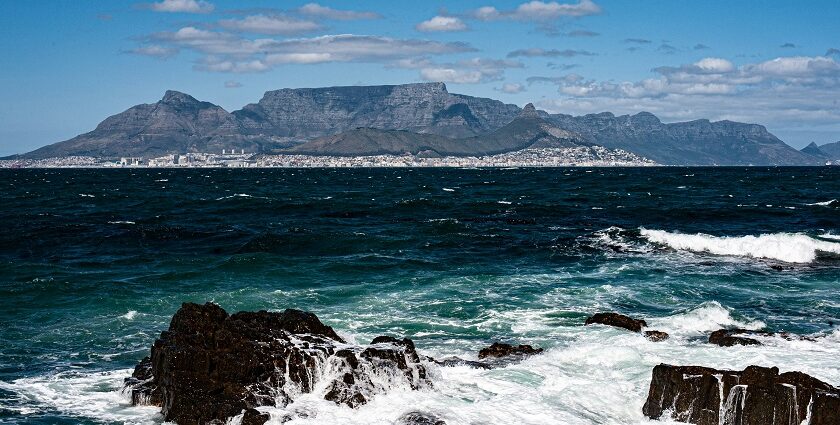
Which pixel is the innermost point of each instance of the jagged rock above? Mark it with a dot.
(419, 418)
(729, 338)
(210, 366)
(504, 350)
(617, 320)
(756, 396)
(656, 336)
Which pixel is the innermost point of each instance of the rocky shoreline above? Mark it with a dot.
(211, 366)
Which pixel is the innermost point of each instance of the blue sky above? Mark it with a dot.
(68, 64)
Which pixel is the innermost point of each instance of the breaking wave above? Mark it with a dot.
(787, 247)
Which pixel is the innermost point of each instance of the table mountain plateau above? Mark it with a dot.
(411, 118)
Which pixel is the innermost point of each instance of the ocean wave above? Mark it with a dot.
(706, 317)
(829, 203)
(787, 247)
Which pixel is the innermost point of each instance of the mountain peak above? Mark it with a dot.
(174, 96)
(529, 111)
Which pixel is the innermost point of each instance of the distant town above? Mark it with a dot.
(594, 156)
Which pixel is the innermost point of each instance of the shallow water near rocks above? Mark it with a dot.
(93, 263)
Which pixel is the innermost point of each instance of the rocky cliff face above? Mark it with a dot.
(420, 108)
(699, 142)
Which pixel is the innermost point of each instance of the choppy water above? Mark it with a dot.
(93, 263)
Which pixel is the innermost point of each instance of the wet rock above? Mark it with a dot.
(756, 396)
(210, 366)
(617, 320)
(656, 336)
(729, 338)
(457, 361)
(504, 350)
(419, 418)
(254, 417)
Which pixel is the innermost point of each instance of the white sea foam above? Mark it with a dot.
(590, 375)
(824, 203)
(787, 247)
(130, 315)
(121, 222)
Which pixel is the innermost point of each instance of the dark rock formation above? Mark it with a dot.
(729, 337)
(419, 418)
(254, 417)
(210, 366)
(504, 350)
(755, 396)
(457, 361)
(617, 320)
(656, 336)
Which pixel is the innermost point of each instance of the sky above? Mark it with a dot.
(68, 64)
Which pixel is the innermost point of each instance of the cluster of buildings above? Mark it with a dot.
(595, 156)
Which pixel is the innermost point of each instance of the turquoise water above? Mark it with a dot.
(93, 263)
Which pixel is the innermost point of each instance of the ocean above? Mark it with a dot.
(93, 263)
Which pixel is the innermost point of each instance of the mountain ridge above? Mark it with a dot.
(285, 118)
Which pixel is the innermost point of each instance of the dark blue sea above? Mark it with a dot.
(93, 263)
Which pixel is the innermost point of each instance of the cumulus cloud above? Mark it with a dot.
(552, 53)
(270, 24)
(832, 52)
(442, 24)
(538, 11)
(182, 6)
(316, 10)
(511, 88)
(788, 91)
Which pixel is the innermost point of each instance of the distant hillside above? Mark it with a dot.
(411, 118)
(526, 130)
(829, 151)
(699, 142)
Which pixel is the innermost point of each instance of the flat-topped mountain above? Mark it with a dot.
(411, 118)
(527, 130)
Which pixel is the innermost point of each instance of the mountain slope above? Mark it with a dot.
(525, 131)
(831, 150)
(814, 151)
(699, 142)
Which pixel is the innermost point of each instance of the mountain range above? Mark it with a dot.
(828, 151)
(422, 119)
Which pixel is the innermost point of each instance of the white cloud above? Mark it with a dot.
(272, 25)
(226, 52)
(786, 92)
(538, 11)
(183, 6)
(511, 88)
(230, 84)
(314, 9)
(155, 51)
(552, 53)
(442, 24)
(468, 71)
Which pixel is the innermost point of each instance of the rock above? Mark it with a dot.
(504, 350)
(728, 338)
(656, 336)
(419, 418)
(756, 396)
(254, 417)
(210, 366)
(457, 361)
(617, 320)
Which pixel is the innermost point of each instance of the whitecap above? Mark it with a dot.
(121, 222)
(825, 203)
(505, 202)
(446, 189)
(787, 247)
(87, 195)
(130, 315)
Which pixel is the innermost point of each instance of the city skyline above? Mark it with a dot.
(773, 64)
